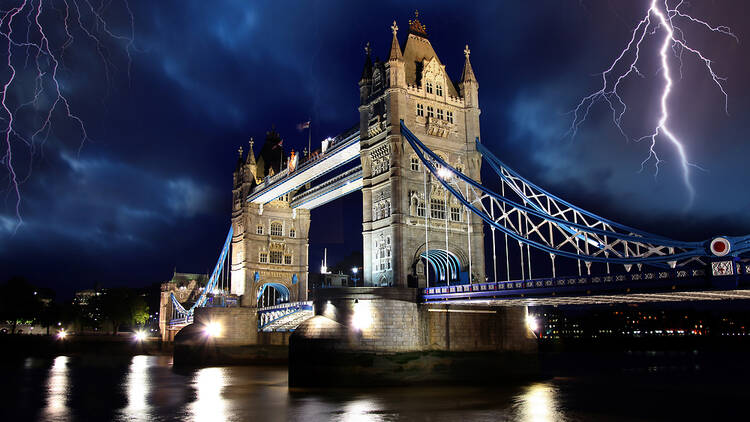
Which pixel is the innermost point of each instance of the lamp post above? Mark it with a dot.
(355, 270)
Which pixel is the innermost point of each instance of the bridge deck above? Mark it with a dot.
(340, 153)
(656, 286)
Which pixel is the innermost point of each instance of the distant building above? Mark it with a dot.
(186, 287)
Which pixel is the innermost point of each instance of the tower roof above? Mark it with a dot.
(416, 51)
(468, 74)
(416, 27)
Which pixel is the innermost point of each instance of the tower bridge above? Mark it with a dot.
(417, 157)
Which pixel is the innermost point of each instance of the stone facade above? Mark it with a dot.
(413, 86)
(270, 242)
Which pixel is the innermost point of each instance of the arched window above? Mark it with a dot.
(292, 232)
(420, 110)
(430, 112)
(414, 164)
(439, 90)
(259, 230)
(449, 115)
(277, 229)
(440, 114)
(429, 87)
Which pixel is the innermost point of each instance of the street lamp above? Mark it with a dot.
(354, 276)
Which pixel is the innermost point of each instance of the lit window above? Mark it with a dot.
(440, 114)
(287, 259)
(439, 89)
(292, 233)
(383, 254)
(455, 213)
(276, 257)
(277, 229)
(449, 114)
(263, 257)
(414, 164)
(430, 112)
(420, 109)
(429, 87)
(259, 230)
(437, 208)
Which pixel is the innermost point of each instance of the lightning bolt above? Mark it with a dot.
(659, 17)
(29, 27)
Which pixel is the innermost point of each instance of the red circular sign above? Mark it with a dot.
(720, 246)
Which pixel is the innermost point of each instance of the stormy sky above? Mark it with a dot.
(150, 188)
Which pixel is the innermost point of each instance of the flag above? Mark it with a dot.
(303, 125)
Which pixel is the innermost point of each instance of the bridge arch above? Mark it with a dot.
(444, 266)
(272, 294)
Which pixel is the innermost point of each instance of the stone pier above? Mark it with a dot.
(383, 336)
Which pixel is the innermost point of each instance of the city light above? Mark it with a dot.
(362, 318)
(140, 335)
(354, 270)
(532, 323)
(444, 173)
(213, 329)
(62, 334)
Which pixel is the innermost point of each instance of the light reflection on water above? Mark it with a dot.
(209, 404)
(149, 388)
(57, 390)
(137, 387)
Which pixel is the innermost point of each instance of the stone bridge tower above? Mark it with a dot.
(270, 242)
(413, 86)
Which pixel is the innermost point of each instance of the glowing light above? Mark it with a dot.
(62, 334)
(532, 323)
(362, 318)
(444, 173)
(355, 269)
(140, 335)
(213, 329)
(659, 17)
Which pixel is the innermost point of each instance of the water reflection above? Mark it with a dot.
(209, 404)
(57, 390)
(538, 403)
(137, 387)
(361, 410)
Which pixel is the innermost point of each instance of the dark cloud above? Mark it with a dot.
(151, 189)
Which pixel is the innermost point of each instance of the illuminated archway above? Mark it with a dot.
(278, 293)
(444, 266)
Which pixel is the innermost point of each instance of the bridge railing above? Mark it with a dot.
(315, 190)
(647, 279)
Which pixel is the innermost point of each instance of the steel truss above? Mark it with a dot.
(180, 310)
(534, 217)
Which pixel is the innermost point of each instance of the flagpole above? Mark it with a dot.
(309, 136)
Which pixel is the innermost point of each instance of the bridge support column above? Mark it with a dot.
(236, 341)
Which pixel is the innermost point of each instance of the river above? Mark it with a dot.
(149, 388)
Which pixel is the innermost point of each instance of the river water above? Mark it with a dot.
(149, 388)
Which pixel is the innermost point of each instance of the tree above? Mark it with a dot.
(122, 306)
(19, 302)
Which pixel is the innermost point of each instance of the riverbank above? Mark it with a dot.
(21, 346)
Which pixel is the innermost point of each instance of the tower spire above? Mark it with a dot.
(468, 73)
(395, 47)
(251, 154)
(367, 70)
